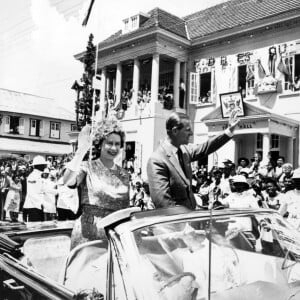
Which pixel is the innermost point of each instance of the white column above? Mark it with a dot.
(136, 79)
(118, 82)
(290, 151)
(176, 81)
(266, 147)
(102, 89)
(155, 78)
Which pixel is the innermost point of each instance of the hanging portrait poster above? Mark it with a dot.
(232, 102)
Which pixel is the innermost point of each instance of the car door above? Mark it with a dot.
(19, 282)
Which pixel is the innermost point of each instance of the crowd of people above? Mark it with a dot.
(21, 181)
(271, 184)
(59, 201)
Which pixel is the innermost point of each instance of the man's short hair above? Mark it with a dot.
(175, 120)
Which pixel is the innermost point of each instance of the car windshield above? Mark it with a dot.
(258, 251)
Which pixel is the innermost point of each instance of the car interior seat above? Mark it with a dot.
(47, 254)
(86, 267)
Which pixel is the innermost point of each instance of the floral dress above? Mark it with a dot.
(104, 191)
(12, 202)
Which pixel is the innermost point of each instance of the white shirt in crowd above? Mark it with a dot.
(67, 198)
(240, 200)
(291, 204)
(50, 192)
(35, 190)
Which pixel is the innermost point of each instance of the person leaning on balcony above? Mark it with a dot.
(105, 185)
(169, 167)
(35, 191)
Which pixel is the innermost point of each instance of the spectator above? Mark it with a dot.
(238, 198)
(272, 196)
(12, 202)
(3, 191)
(256, 162)
(287, 172)
(147, 199)
(288, 185)
(35, 193)
(138, 196)
(68, 201)
(50, 192)
(278, 168)
(243, 162)
(290, 206)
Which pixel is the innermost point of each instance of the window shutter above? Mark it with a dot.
(194, 88)
(6, 124)
(21, 126)
(41, 128)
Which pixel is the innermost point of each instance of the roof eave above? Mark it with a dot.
(147, 32)
(240, 30)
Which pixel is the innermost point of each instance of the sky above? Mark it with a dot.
(39, 38)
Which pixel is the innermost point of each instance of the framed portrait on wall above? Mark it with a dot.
(230, 102)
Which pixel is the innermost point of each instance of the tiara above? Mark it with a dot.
(104, 127)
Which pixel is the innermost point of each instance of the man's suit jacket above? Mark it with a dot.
(171, 185)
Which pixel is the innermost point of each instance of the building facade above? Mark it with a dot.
(32, 125)
(242, 54)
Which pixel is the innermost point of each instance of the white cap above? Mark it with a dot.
(39, 160)
(46, 170)
(239, 179)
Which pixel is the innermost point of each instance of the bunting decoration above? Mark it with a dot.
(250, 72)
(223, 61)
(261, 70)
(272, 60)
(284, 68)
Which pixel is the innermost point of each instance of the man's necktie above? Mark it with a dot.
(180, 159)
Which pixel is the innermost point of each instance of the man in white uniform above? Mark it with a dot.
(35, 192)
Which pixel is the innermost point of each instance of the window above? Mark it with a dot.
(246, 79)
(194, 91)
(205, 87)
(14, 125)
(54, 130)
(202, 87)
(126, 24)
(36, 127)
(259, 142)
(134, 22)
(274, 142)
(73, 127)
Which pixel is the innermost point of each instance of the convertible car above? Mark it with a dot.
(165, 254)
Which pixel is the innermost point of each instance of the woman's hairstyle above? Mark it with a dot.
(104, 128)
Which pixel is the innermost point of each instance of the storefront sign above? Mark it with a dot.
(243, 125)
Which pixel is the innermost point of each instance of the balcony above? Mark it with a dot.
(143, 107)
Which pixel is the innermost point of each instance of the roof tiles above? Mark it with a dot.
(235, 13)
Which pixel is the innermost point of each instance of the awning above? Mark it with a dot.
(24, 146)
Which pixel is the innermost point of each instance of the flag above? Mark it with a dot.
(261, 70)
(250, 73)
(284, 69)
(85, 21)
